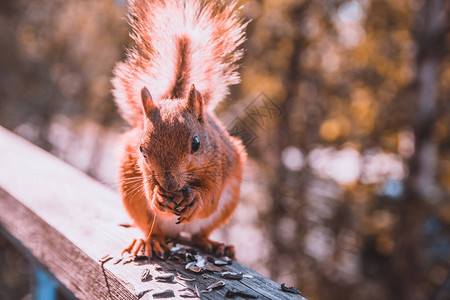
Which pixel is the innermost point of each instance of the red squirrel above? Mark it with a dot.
(179, 170)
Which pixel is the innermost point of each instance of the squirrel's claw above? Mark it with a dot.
(170, 202)
(161, 206)
(135, 247)
(183, 209)
(188, 212)
(166, 202)
(129, 247)
(216, 248)
(225, 250)
(154, 245)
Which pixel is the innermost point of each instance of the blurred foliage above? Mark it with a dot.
(355, 172)
(363, 90)
(57, 58)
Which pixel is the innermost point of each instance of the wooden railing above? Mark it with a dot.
(66, 222)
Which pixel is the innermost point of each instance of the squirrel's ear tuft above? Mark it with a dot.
(195, 103)
(147, 101)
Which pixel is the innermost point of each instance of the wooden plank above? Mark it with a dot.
(77, 271)
(67, 222)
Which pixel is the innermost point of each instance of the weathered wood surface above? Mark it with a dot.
(67, 222)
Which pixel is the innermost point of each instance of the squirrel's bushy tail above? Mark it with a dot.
(179, 43)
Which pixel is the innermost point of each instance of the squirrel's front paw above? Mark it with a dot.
(155, 244)
(168, 202)
(164, 202)
(186, 210)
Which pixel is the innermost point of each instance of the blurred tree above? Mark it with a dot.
(346, 75)
(352, 148)
(410, 263)
(58, 59)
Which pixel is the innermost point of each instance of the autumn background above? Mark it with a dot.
(344, 108)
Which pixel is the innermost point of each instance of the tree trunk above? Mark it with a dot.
(408, 263)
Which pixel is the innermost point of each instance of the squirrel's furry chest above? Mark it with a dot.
(198, 225)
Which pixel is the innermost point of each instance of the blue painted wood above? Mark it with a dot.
(46, 285)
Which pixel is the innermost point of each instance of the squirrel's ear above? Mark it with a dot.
(195, 103)
(147, 101)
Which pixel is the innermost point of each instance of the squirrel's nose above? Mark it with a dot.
(169, 187)
(169, 184)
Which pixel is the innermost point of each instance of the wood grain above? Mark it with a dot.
(67, 221)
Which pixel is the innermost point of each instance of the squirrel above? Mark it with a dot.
(179, 169)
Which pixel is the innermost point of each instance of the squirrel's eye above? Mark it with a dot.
(195, 144)
(142, 151)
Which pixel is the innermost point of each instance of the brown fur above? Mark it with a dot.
(166, 139)
(183, 70)
(167, 181)
(179, 43)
